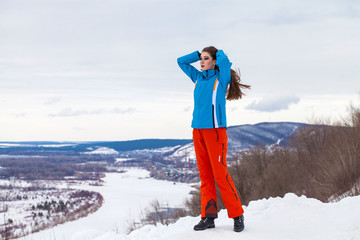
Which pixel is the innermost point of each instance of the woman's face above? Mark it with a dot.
(206, 61)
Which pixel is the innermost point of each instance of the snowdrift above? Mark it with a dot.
(290, 217)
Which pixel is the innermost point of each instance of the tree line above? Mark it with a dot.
(52, 168)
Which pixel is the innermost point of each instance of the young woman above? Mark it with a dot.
(213, 84)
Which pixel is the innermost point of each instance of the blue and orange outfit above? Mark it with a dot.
(209, 133)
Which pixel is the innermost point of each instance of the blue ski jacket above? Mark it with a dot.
(210, 89)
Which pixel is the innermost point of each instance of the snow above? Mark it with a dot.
(57, 145)
(19, 156)
(185, 152)
(290, 217)
(22, 207)
(8, 145)
(123, 159)
(125, 195)
(103, 150)
(287, 218)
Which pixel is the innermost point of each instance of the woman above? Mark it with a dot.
(209, 131)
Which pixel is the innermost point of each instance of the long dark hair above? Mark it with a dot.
(234, 91)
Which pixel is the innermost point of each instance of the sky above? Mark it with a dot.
(76, 70)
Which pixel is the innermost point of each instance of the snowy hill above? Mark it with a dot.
(287, 218)
(267, 133)
(291, 217)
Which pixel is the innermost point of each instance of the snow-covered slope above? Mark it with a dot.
(267, 133)
(288, 218)
(103, 150)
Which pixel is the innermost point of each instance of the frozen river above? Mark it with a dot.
(125, 195)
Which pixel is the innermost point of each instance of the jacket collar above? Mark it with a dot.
(209, 73)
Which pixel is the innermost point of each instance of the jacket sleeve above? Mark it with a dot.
(185, 65)
(224, 64)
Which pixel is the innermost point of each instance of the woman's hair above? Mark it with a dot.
(234, 91)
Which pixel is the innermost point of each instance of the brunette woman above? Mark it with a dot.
(214, 84)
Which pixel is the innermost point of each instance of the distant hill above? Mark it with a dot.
(81, 147)
(266, 133)
(240, 137)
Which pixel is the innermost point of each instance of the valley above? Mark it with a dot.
(44, 184)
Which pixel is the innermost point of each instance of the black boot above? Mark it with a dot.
(239, 223)
(204, 224)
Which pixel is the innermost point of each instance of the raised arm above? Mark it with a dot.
(185, 64)
(224, 64)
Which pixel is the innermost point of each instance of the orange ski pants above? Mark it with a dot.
(211, 149)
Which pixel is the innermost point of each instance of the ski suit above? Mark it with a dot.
(209, 133)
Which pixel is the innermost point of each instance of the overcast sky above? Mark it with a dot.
(78, 70)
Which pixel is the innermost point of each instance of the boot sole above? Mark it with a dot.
(200, 229)
(239, 230)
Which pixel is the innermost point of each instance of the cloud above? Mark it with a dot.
(20, 115)
(69, 112)
(52, 100)
(273, 104)
(101, 55)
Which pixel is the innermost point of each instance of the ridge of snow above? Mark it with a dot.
(103, 150)
(290, 217)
